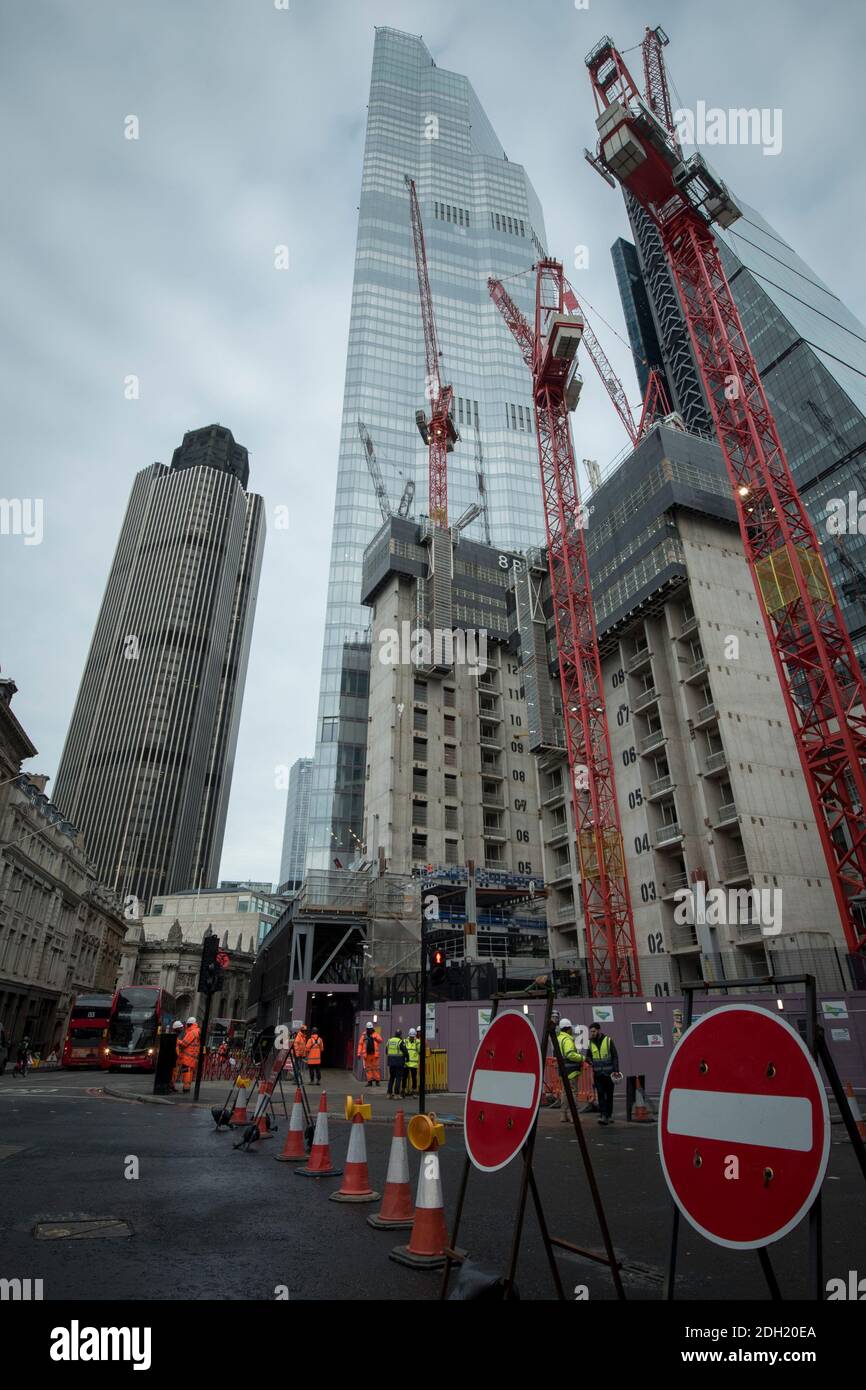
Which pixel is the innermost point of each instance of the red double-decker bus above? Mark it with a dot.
(88, 1020)
(138, 1014)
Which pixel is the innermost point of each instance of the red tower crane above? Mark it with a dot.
(655, 402)
(438, 432)
(549, 351)
(816, 664)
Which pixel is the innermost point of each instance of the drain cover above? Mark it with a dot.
(82, 1228)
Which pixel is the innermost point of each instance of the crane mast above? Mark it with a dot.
(438, 431)
(375, 471)
(655, 402)
(549, 351)
(818, 671)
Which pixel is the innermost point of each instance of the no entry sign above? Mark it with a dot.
(504, 1091)
(744, 1129)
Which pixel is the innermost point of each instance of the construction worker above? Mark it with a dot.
(605, 1069)
(188, 1047)
(573, 1064)
(413, 1051)
(177, 1029)
(299, 1047)
(368, 1048)
(313, 1057)
(397, 1059)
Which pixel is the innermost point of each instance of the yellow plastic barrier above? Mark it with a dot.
(437, 1069)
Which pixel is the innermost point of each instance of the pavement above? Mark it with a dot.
(181, 1213)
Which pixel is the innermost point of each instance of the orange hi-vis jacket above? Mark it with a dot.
(313, 1053)
(188, 1046)
(299, 1046)
(377, 1043)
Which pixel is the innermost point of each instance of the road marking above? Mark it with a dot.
(774, 1122)
(29, 1091)
(504, 1088)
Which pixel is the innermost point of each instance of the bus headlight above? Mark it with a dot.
(150, 1052)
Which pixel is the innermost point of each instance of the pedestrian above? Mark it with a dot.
(299, 1049)
(22, 1057)
(602, 1055)
(313, 1057)
(177, 1029)
(368, 1048)
(4, 1049)
(397, 1059)
(413, 1050)
(188, 1047)
(573, 1064)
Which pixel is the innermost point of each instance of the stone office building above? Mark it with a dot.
(61, 930)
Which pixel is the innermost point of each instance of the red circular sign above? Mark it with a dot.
(744, 1129)
(503, 1092)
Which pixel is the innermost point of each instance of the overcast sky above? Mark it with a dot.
(155, 257)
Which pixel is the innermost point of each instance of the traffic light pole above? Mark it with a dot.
(202, 1042)
(422, 997)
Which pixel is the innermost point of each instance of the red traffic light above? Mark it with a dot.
(222, 960)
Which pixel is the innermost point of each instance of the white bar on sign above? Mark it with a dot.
(503, 1088)
(774, 1122)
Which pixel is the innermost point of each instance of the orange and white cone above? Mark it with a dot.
(319, 1163)
(260, 1118)
(640, 1111)
(397, 1212)
(239, 1114)
(356, 1184)
(854, 1107)
(293, 1149)
(429, 1239)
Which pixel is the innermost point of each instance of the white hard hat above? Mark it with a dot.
(177, 1023)
(412, 1033)
(566, 1023)
(369, 1025)
(189, 1021)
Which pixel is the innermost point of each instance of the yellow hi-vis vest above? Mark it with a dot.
(395, 1047)
(570, 1055)
(413, 1047)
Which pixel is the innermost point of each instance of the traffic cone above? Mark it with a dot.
(319, 1164)
(293, 1149)
(239, 1114)
(429, 1238)
(397, 1212)
(854, 1107)
(640, 1111)
(262, 1119)
(356, 1184)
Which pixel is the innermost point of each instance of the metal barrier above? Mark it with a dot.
(551, 1093)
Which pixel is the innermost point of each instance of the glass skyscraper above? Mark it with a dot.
(481, 217)
(811, 353)
(296, 826)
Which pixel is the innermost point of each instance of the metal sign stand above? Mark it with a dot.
(820, 1053)
(528, 1185)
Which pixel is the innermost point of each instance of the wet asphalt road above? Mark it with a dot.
(207, 1221)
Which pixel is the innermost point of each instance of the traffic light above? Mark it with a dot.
(437, 965)
(210, 973)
